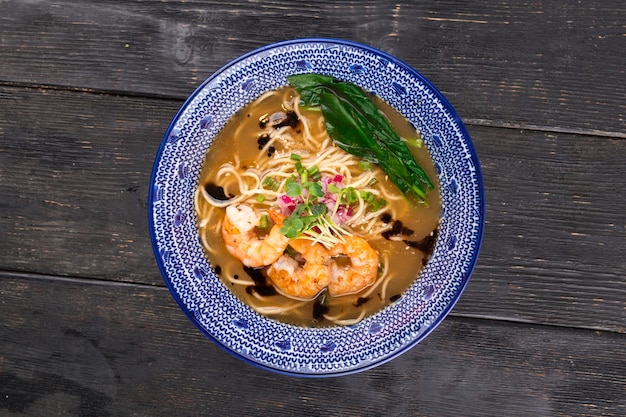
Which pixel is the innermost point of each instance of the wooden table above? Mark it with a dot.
(88, 328)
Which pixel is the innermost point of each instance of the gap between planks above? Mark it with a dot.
(106, 283)
(466, 121)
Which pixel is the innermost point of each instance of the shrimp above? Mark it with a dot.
(302, 281)
(361, 271)
(242, 241)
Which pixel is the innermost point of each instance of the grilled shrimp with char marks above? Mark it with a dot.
(360, 272)
(302, 281)
(242, 241)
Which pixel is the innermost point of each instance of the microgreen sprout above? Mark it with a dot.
(316, 205)
(315, 189)
(333, 188)
(294, 189)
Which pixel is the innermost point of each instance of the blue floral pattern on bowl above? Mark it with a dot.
(280, 347)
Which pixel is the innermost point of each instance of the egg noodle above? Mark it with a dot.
(295, 166)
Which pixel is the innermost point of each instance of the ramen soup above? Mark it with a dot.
(299, 229)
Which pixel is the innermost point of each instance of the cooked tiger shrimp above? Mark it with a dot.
(243, 242)
(302, 281)
(360, 272)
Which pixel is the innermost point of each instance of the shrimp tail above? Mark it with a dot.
(277, 217)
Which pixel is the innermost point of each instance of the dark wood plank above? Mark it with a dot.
(87, 89)
(555, 230)
(127, 350)
(75, 187)
(549, 64)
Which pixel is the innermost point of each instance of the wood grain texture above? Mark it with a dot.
(75, 189)
(555, 230)
(500, 63)
(87, 90)
(75, 184)
(127, 350)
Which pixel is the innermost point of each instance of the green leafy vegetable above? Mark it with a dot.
(294, 189)
(292, 227)
(357, 126)
(310, 205)
(315, 189)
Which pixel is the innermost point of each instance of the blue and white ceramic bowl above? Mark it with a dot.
(289, 349)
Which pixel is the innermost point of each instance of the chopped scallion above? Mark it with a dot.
(314, 172)
(270, 183)
(263, 223)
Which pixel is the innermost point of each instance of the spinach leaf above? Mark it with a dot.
(357, 126)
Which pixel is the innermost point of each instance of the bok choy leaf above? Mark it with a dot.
(358, 127)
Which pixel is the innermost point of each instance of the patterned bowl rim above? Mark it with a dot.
(467, 142)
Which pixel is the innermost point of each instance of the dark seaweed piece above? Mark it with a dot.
(262, 290)
(425, 245)
(256, 274)
(290, 119)
(261, 285)
(216, 192)
(397, 228)
(320, 307)
(361, 301)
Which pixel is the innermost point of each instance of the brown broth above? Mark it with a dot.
(415, 227)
